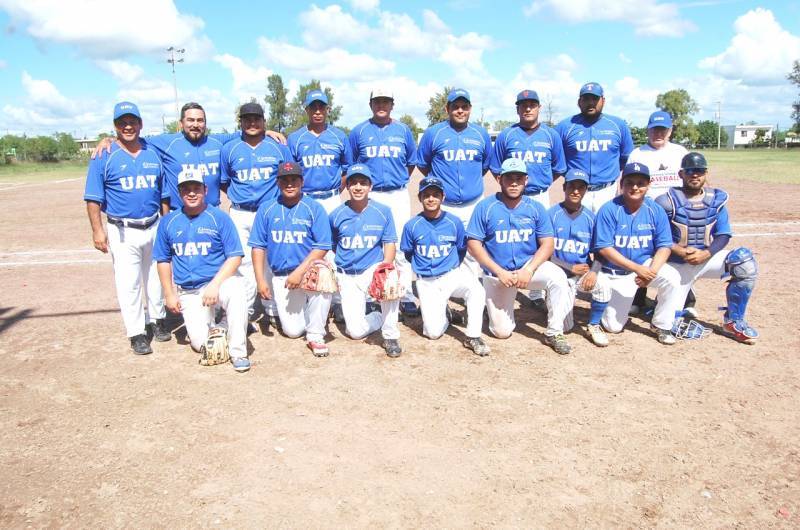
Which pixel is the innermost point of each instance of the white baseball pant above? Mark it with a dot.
(593, 200)
(301, 311)
(623, 289)
(436, 291)
(400, 204)
(135, 276)
(500, 300)
(354, 290)
(464, 212)
(330, 204)
(199, 319)
(600, 293)
(243, 220)
(542, 198)
(688, 273)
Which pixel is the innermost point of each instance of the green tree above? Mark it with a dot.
(42, 149)
(707, 134)
(409, 120)
(639, 134)
(681, 106)
(172, 126)
(794, 77)
(297, 113)
(437, 106)
(759, 139)
(67, 146)
(276, 102)
(499, 125)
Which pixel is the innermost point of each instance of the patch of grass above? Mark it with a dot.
(762, 165)
(41, 172)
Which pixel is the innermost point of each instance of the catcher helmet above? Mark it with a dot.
(694, 161)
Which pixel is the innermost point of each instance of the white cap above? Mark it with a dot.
(190, 175)
(381, 92)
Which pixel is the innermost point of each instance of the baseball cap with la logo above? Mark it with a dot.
(635, 168)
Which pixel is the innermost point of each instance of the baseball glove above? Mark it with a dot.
(215, 350)
(319, 277)
(386, 283)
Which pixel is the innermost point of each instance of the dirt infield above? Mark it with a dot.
(700, 434)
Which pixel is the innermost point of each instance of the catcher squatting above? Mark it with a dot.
(173, 248)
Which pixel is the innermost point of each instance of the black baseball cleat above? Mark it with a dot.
(159, 331)
(392, 348)
(409, 309)
(539, 304)
(338, 313)
(140, 345)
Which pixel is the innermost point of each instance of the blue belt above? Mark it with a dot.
(322, 194)
(350, 271)
(602, 185)
(389, 188)
(537, 191)
(245, 207)
(139, 224)
(615, 272)
(284, 272)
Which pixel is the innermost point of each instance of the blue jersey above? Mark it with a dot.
(599, 148)
(511, 236)
(636, 236)
(126, 186)
(179, 155)
(324, 158)
(573, 235)
(289, 234)
(358, 238)
(251, 172)
(196, 246)
(434, 246)
(541, 151)
(387, 150)
(458, 158)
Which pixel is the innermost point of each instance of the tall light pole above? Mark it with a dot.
(172, 60)
(719, 124)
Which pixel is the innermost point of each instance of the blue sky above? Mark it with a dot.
(64, 64)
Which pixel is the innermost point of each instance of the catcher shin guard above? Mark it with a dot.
(215, 350)
(742, 267)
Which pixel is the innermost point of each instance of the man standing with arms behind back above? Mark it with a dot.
(597, 144)
(387, 147)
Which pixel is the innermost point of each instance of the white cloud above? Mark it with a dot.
(331, 63)
(3, 64)
(247, 80)
(365, 5)
(122, 71)
(648, 17)
(100, 29)
(761, 52)
(624, 58)
(330, 26)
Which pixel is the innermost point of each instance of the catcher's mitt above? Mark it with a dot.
(215, 350)
(319, 277)
(386, 283)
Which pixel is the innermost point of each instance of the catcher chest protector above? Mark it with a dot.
(742, 267)
(692, 222)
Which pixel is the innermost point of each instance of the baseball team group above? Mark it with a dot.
(630, 219)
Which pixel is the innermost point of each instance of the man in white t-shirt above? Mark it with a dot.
(663, 158)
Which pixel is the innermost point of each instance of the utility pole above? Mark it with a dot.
(172, 60)
(719, 124)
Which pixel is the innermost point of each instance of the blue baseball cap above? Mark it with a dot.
(458, 93)
(430, 182)
(592, 88)
(513, 165)
(126, 107)
(576, 174)
(526, 95)
(358, 169)
(635, 168)
(659, 119)
(315, 95)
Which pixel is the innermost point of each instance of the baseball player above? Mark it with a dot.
(633, 241)
(574, 226)
(540, 148)
(387, 148)
(288, 234)
(434, 242)
(598, 144)
(190, 148)
(197, 248)
(363, 236)
(511, 237)
(700, 233)
(664, 160)
(249, 165)
(125, 184)
(323, 152)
